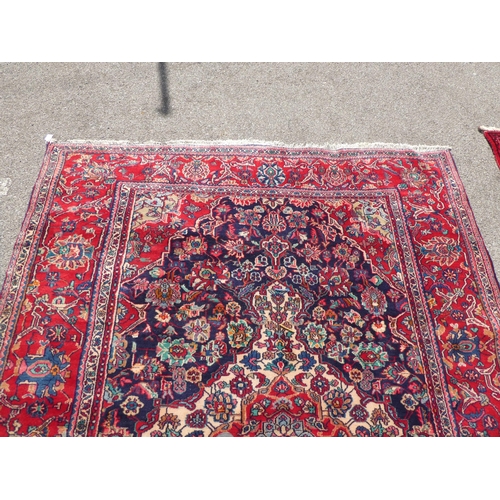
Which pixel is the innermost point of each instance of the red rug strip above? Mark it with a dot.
(493, 138)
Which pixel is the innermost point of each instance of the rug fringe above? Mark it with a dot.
(256, 142)
(485, 129)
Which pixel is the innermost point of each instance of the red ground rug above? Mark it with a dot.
(492, 135)
(227, 290)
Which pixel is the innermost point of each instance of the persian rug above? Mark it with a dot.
(249, 290)
(492, 135)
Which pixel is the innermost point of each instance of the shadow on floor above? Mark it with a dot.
(165, 101)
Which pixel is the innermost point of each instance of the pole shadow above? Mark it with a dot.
(165, 100)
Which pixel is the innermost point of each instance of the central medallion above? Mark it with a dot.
(254, 290)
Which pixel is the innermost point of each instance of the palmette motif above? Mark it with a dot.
(248, 291)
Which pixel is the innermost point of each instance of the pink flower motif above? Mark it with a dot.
(444, 251)
(164, 293)
(374, 300)
(273, 222)
(310, 252)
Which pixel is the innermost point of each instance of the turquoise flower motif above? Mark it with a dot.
(315, 336)
(177, 352)
(239, 333)
(370, 356)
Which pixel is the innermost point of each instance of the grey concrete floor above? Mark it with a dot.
(296, 103)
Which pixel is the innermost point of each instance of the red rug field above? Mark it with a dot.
(226, 290)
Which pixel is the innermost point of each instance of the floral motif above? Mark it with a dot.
(195, 245)
(270, 175)
(57, 333)
(462, 346)
(212, 352)
(310, 253)
(196, 170)
(414, 177)
(220, 406)
(72, 253)
(335, 175)
(444, 251)
(240, 333)
(163, 293)
(237, 248)
(43, 371)
(241, 385)
(320, 384)
(163, 317)
(276, 247)
(350, 335)
(359, 413)
(315, 336)
(379, 416)
(233, 308)
(194, 375)
(374, 300)
(338, 402)
(356, 375)
(131, 406)
(198, 330)
(408, 401)
(197, 419)
(297, 220)
(248, 217)
(370, 355)
(273, 222)
(338, 352)
(38, 409)
(176, 352)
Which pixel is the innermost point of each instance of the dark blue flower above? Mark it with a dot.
(38, 409)
(44, 371)
(462, 346)
(195, 434)
(362, 431)
(307, 360)
(52, 278)
(68, 226)
(251, 360)
(271, 175)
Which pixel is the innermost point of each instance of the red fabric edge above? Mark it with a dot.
(493, 138)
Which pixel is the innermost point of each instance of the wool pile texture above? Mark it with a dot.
(249, 290)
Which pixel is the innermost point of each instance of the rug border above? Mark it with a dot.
(475, 245)
(30, 210)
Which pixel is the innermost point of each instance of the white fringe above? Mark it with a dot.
(484, 129)
(254, 142)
